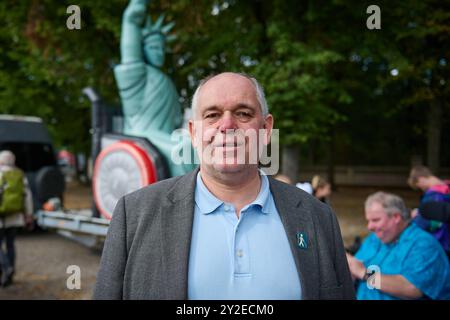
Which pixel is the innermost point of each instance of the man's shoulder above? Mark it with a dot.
(154, 190)
(436, 194)
(281, 186)
(17, 170)
(370, 242)
(420, 237)
(418, 242)
(286, 192)
(422, 246)
(172, 189)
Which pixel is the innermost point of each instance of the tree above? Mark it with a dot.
(338, 90)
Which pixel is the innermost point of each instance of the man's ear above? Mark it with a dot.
(268, 126)
(398, 217)
(192, 133)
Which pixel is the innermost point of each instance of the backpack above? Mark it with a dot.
(12, 191)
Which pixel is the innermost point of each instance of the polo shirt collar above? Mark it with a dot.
(262, 200)
(208, 203)
(204, 199)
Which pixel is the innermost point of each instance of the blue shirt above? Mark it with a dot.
(416, 255)
(245, 258)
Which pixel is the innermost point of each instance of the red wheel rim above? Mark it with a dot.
(145, 165)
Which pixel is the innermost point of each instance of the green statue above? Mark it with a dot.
(150, 100)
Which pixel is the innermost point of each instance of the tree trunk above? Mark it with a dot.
(290, 164)
(434, 136)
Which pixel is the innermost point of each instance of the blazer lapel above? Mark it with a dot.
(176, 231)
(297, 220)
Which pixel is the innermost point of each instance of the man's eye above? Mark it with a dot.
(243, 114)
(211, 115)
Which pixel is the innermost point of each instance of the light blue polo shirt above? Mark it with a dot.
(245, 258)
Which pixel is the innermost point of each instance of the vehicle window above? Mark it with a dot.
(31, 156)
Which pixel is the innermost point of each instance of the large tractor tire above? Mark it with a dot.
(123, 167)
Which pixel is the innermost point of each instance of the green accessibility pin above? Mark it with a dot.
(302, 240)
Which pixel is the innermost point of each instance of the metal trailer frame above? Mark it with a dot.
(78, 225)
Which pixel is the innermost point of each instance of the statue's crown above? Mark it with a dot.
(158, 28)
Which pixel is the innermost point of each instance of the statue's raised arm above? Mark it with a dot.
(150, 100)
(131, 38)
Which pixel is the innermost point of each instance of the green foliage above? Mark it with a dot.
(322, 69)
(45, 66)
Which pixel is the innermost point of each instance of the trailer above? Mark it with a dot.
(78, 225)
(122, 164)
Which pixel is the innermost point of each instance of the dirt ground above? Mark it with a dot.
(43, 257)
(42, 262)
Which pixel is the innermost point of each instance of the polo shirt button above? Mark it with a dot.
(240, 253)
(227, 208)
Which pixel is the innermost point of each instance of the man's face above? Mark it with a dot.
(324, 191)
(422, 183)
(227, 120)
(385, 227)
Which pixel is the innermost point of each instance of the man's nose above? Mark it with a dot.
(227, 122)
(370, 226)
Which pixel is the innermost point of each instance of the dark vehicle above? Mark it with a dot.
(28, 138)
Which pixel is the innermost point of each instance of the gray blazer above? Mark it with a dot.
(146, 252)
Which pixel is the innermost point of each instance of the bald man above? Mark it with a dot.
(225, 230)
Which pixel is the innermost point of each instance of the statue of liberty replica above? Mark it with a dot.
(149, 98)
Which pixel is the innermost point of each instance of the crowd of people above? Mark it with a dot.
(406, 255)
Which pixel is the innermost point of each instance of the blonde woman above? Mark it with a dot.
(321, 188)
